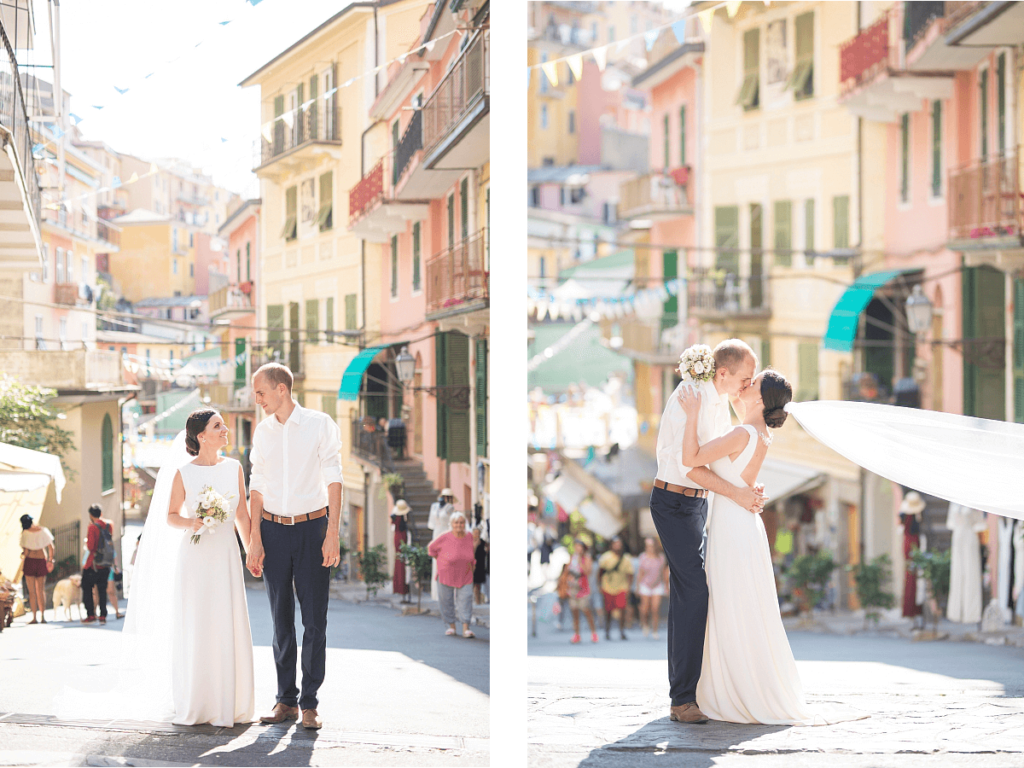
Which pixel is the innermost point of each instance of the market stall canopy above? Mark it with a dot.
(352, 379)
(24, 460)
(783, 479)
(845, 318)
(566, 492)
(25, 477)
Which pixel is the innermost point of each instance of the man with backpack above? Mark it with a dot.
(616, 576)
(100, 544)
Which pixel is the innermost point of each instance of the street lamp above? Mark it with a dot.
(919, 311)
(405, 364)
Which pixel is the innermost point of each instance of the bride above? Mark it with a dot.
(748, 673)
(186, 650)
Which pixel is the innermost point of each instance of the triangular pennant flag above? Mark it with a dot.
(254, 2)
(551, 70)
(706, 18)
(58, 132)
(94, 106)
(289, 118)
(650, 38)
(621, 45)
(223, 140)
(430, 46)
(225, 23)
(122, 91)
(601, 57)
(149, 75)
(76, 118)
(133, 178)
(153, 168)
(330, 93)
(402, 58)
(576, 65)
(116, 182)
(732, 7)
(679, 29)
(37, 148)
(267, 131)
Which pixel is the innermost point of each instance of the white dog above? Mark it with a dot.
(68, 592)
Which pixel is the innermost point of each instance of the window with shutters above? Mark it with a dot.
(312, 109)
(1001, 103)
(783, 233)
(983, 112)
(289, 230)
(481, 397)
(757, 278)
(275, 330)
(312, 321)
(394, 266)
(841, 221)
(350, 312)
(984, 303)
(325, 217)
(452, 366)
(936, 148)
(682, 135)
(417, 280)
(240, 362)
(329, 319)
(248, 262)
(668, 160)
(451, 221)
(107, 452)
(332, 129)
(727, 238)
(295, 333)
(809, 230)
(749, 94)
(669, 271)
(801, 80)
(464, 200)
(905, 158)
(278, 125)
(807, 384)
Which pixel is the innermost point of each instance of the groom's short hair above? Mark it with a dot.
(731, 353)
(274, 374)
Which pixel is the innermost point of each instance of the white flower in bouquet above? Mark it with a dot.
(212, 509)
(697, 363)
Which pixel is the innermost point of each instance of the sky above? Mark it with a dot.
(191, 99)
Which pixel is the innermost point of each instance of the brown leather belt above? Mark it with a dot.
(297, 519)
(700, 493)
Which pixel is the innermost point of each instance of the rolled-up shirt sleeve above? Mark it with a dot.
(330, 452)
(257, 478)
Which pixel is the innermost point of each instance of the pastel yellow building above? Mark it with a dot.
(156, 258)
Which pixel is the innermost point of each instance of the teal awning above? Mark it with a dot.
(352, 379)
(842, 325)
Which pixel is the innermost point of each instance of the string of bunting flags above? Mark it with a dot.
(169, 368)
(574, 61)
(646, 302)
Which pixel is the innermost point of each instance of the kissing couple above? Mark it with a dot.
(728, 655)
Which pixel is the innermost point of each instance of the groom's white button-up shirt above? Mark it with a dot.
(714, 422)
(293, 463)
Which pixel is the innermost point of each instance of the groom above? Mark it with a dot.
(679, 507)
(295, 487)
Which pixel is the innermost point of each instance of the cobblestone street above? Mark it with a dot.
(930, 703)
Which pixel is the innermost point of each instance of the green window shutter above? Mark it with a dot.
(783, 233)
(329, 405)
(841, 221)
(457, 363)
(275, 329)
(395, 138)
(766, 352)
(290, 213)
(727, 235)
(107, 446)
(300, 115)
(807, 388)
(668, 161)
(350, 312)
(464, 199)
(451, 221)
(682, 135)
(983, 111)
(294, 331)
(802, 81)
(278, 125)
(936, 148)
(809, 229)
(240, 366)
(238, 266)
(441, 379)
(248, 262)
(905, 158)
(481, 397)
(669, 271)
(749, 95)
(1001, 101)
(1018, 350)
(394, 266)
(757, 284)
(312, 321)
(416, 278)
(329, 319)
(313, 107)
(325, 217)
(968, 279)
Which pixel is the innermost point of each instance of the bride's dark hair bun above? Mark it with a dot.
(196, 423)
(776, 392)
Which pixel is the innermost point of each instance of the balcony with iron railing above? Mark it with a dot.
(84, 226)
(375, 210)
(458, 278)
(293, 138)
(711, 295)
(656, 195)
(231, 301)
(456, 115)
(984, 202)
(370, 443)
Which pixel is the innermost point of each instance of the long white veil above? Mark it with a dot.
(970, 461)
(144, 688)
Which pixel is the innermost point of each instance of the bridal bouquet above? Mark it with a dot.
(213, 510)
(697, 363)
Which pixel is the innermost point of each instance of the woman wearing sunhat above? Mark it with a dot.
(910, 516)
(400, 528)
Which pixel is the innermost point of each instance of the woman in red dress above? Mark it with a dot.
(400, 526)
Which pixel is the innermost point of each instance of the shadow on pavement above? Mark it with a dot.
(663, 742)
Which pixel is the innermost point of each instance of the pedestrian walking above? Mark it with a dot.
(37, 549)
(96, 571)
(652, 585)
(400, 533)
(616, 575)
(482, 569)
(113, 582)
(455, 560)
(574, 587)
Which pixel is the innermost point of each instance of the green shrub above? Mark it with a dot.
(870, 580)
(420, 563)
(372, 567)
(810, 575)
(934, 566)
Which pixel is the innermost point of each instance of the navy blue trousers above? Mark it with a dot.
(680, 523)
(293, 567)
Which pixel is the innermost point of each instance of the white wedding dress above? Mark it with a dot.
(212, 664)
(748, 674)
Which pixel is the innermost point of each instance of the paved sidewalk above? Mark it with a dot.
(852, 623)
(355, 592)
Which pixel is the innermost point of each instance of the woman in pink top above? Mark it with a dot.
(455, 560)
(652, 584)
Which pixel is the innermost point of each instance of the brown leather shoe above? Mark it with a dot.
(281, 713)
(310, 720)
(687, 713)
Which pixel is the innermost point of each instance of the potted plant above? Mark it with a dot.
(394, 484)
(934, 566)
(810, 575)
(419, 561)
(870, 580)
(372, 566)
